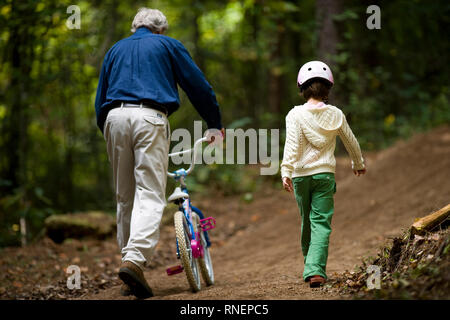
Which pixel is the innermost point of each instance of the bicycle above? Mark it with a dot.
(191, 230)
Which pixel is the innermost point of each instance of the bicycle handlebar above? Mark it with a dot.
(191, 167)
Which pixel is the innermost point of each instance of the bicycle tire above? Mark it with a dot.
(205, 263)
(190, 265)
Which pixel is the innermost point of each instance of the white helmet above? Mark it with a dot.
(314, 69)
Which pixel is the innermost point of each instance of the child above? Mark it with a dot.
(308, 163)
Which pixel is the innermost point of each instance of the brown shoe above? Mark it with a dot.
(125, 290)
(316, 281)
(133, 276)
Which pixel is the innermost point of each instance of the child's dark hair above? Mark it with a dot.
(318, 89)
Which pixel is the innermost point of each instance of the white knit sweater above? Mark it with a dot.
(311, 132)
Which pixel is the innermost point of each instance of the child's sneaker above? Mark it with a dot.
(316, 281)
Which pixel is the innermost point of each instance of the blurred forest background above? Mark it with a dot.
(390, 83)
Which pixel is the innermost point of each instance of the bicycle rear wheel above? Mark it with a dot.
(205, 263)
(190, 264)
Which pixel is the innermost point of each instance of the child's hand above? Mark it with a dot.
(359, 172)
(287, 184)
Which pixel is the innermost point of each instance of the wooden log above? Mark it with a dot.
(432, 220)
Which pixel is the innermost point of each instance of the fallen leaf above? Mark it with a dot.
(76, 260)
(435, 237)
(107, 260)
(351, 283)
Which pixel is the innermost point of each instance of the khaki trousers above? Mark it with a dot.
(138, 145)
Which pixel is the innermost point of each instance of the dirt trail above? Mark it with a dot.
(261, 258)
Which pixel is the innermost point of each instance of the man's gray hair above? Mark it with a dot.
(153, 19)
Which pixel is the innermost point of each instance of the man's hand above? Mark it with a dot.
(287, 184)
(359, 172)
(215, 135)
(222, 131)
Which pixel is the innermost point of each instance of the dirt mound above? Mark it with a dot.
(411, 268)
(256, 246)
(404, 182)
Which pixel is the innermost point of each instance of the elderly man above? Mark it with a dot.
(136, 93)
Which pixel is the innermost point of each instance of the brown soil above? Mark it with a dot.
(412, 267)
(256, 246)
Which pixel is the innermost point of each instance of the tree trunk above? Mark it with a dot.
(251, 69)
(70, 137)
(276, 75)
(328, 31)
(198, 52)
(111, 34)
(328, 36)
(20, 52)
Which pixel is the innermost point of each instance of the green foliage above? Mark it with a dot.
(28, 203)
(394, 81)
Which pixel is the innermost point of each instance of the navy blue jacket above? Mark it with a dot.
(147, 66)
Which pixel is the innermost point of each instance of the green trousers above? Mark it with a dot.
(314, 195)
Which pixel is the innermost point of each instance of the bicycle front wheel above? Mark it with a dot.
(190, 264)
